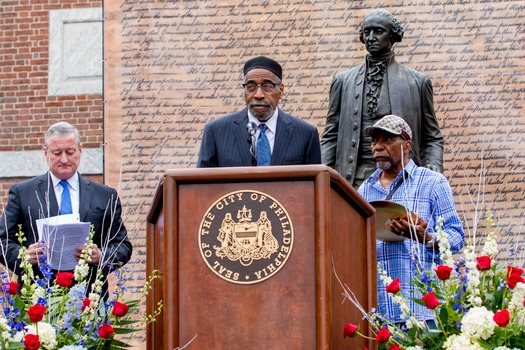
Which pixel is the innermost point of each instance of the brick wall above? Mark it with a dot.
(26, 110)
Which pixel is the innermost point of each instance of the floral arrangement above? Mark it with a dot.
(478, 303)
(56, 311)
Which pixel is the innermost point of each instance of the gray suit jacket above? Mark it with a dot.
(35, 199)
(225, 142)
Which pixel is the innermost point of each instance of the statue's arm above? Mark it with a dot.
(431, 138)
(330, 133)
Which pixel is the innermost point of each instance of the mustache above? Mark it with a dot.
(381, 156)
(260, 103)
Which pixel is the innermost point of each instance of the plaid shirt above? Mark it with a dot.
(428, 194)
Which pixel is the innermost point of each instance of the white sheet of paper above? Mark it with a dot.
(56, 220)
(63, 238)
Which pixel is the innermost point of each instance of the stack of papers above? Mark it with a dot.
(63, 234)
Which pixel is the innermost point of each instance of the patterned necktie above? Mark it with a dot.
(264, 154)
(65, 202)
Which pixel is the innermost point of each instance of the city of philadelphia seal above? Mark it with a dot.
(246, 237)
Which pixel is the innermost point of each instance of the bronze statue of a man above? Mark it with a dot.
(364, 94)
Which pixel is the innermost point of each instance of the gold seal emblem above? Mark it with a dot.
(246, 237)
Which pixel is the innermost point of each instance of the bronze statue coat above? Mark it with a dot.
(411, 97)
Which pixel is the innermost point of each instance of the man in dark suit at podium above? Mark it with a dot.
(62, 190)
(261, 134)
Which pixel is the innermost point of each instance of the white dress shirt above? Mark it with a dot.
(271, 127)
(73, 185)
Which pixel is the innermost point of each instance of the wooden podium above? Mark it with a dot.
(247, 257)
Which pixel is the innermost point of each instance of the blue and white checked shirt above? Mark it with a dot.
(428, 194)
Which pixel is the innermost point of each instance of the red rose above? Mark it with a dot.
(120, 309)
(431, 301)
(502, 318)
(105, 330)
(85, 303)
(443, 272)
(31, 342)
(13, 288)
(514, 276)
(394, 347)
(484, 262)
(64, 279)
(36, 313)
(350, 330)
(394, 286)
(383, 335)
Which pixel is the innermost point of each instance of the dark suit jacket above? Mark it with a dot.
(411, 98)
(35, 199)
(225, 142)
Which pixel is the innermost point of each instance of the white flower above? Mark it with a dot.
(473, 276)
(444, 245)
(505, 348)
(3, 324)
(46, 333)
(490, 247)
(518, 295)
(415, 348)
(18, 337)
(383, 276)
(478, 323)
(38, 293)
(461, 341)
(81, 270)
(414, 322)
(72, 347)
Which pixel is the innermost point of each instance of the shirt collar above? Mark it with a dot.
(270, 123)
(72, 181)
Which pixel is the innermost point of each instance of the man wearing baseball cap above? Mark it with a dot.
(424, 192)
(261, 134)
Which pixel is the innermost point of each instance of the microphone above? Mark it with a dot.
(252, 130)
(251, 127)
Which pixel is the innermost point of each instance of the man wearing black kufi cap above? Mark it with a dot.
(239, 138)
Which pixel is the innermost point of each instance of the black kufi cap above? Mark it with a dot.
(264, 63)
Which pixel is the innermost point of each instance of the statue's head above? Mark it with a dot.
(395, 29)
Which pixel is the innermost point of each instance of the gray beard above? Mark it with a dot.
(263, 117)
(384, 164)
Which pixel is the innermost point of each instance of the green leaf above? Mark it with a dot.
(126, 322)
(124, 330)
(443, 315)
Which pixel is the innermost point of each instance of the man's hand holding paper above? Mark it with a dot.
(65, 237)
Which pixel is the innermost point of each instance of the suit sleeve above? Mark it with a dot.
(330, 133)
(9, 244)
(313, 152)
(208, 151)
(117, 248)
(431, 138)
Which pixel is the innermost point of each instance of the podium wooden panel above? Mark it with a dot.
(301, 306)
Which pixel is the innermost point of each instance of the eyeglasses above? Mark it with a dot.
(267, 87)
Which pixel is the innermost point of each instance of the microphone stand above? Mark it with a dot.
(252, 130)
(251, 141)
